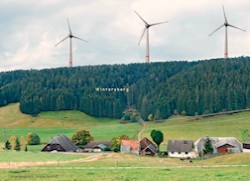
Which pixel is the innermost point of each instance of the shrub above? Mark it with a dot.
(33, 139)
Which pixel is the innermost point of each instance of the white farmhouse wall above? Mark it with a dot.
(182, 155)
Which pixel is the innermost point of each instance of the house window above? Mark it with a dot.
(186, 153)
(179, 152)
(172, 152)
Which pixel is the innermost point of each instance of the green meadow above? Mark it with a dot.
(34, 165)
(131, 167)
(50, 124)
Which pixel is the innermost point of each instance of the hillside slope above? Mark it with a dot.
(49, 124)
(160, 89)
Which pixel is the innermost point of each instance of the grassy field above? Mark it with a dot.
(131, 167)
(50, 124)
(178, 127)
(118, 166)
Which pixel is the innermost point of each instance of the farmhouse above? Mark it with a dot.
(221, 145)
(130, 146)
(181, 149)
(147, 147)
(97, 146)
(61, 143)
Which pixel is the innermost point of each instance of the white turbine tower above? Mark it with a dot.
(147, 38)
(226, 24)
(70, 36)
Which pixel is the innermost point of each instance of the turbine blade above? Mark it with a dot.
(79, 38)
(70, 32)
(62, 40)
(236, 27)
(216, 30)
(143, 32)
(159, 23)
(224, 14)
(141, 18)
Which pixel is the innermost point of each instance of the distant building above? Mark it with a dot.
(97, 146)
(130, 146)
(220, 145)
(181, 149)
(60, 143)
(246, 145)
(147, 147)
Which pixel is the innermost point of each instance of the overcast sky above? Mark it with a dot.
(30, 29)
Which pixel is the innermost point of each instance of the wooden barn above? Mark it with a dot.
(147, 147)
(223, 147)
(60, 143)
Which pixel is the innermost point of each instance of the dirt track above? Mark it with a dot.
(8, 165)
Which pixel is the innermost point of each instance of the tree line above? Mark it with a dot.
(160, 89)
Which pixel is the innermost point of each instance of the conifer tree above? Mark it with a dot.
(208, 148)
(18, 145)
(7, 145)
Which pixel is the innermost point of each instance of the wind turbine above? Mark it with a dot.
(226, 24)
(70, 36)
(147, 38)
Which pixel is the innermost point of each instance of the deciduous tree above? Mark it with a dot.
(33, 139)
(157, 136)
(82, 138)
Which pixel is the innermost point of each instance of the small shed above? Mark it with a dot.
(97, 146)
(60, 143)
(246, 145)
(223, 147)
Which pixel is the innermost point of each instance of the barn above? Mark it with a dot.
(223, 147)
(220, 145)
(147, 147)
(60, 143)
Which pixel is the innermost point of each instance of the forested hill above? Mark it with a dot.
(160, 89)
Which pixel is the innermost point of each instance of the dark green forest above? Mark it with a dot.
(161, 89)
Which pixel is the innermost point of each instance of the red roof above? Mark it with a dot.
(133, 143)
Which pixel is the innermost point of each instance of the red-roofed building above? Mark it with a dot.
(130, 146)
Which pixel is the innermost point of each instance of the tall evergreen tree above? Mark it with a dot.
(208, 148)
(7, 145)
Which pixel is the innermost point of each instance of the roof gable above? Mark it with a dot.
(145, 142)
(65, 143)
(180, 145)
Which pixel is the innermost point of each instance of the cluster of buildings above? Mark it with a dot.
(174, 148)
